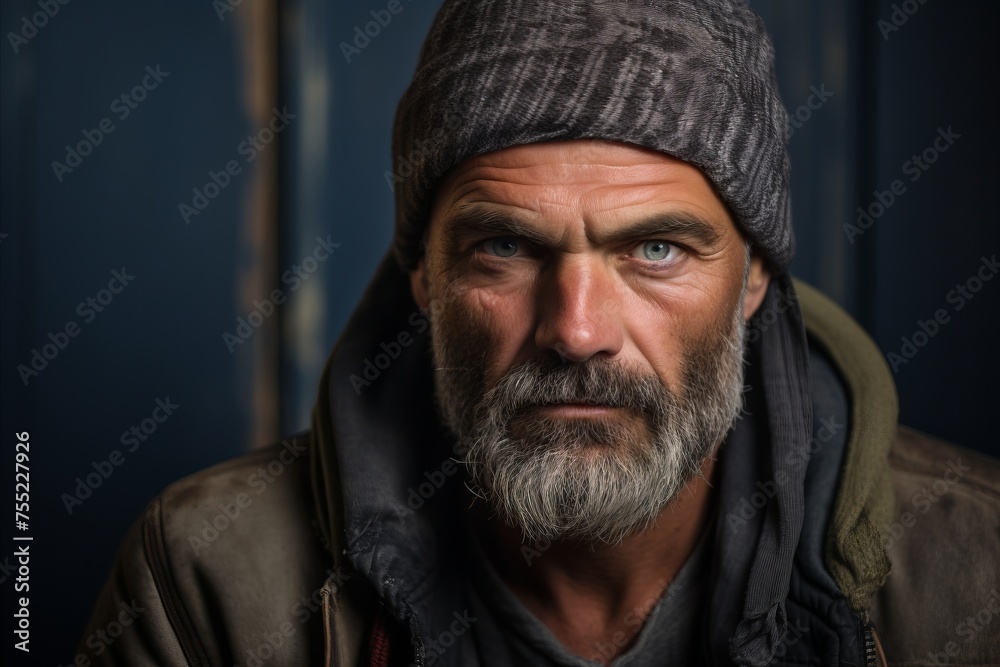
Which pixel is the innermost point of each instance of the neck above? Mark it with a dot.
(596, 596)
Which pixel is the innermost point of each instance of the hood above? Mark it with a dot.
(386, 485)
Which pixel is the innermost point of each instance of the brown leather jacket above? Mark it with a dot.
(244, 563)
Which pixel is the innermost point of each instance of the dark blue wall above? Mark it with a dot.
(337, 159)
(900, 72)
(117, 211)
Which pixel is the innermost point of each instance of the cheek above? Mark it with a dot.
(659, 340)
(505, 318)
(665, 330)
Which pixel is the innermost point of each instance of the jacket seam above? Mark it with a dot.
(172, 606)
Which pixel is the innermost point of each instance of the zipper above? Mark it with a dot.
(871, 645)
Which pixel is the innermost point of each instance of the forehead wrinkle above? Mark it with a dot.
(598, 196)
(493, 192)
(546, 165)
(536, 205)
(583, 172)
(586, 194)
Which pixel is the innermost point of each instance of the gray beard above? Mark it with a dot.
(588, 480)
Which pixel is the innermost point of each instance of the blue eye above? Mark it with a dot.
(501, 247)
(654, 251)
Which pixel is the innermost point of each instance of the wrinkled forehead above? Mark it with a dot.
(602, 183)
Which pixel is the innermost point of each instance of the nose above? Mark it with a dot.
(579, 310)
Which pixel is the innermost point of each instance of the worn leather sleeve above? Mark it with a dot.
(131, 624)
(941, 602)
(227, 568)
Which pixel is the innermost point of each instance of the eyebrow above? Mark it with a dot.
(476, 220)
(673, 224)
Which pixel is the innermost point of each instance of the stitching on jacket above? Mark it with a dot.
(157, 559)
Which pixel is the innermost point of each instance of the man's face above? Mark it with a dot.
(587, 303)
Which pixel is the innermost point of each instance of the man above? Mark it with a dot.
(609, 429)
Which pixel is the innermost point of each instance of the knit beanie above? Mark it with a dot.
(690, 78)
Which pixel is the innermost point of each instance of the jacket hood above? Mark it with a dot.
(382, 468)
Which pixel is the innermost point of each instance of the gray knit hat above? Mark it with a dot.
(690, 78)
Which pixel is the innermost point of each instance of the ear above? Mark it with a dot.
(757, 283)
(418, 286)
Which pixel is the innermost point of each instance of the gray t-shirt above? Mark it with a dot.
(506, 633)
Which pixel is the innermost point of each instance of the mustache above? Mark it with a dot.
(597, 381)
